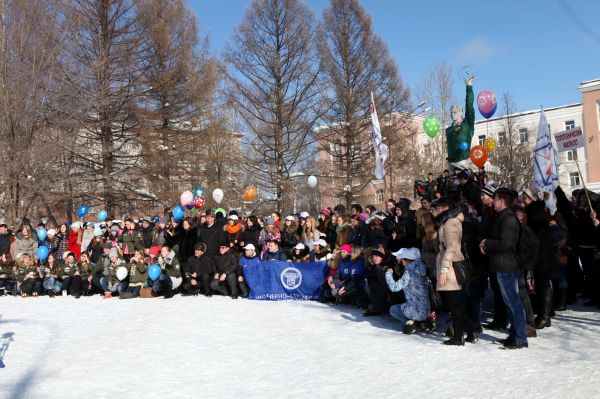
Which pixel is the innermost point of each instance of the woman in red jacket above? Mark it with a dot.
(75, 236)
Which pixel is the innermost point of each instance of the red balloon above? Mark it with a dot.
(199, 202)
(479, 156)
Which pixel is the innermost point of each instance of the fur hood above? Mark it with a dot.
(453, 212)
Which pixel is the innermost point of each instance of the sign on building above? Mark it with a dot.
(569, 140)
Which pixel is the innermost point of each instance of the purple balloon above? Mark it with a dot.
(486, 102)
(190, 205)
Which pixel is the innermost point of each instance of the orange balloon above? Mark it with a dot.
(479, 156)
(250, 193)
(249, 197)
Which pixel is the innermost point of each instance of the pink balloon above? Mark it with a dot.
(486, 102)
(186, 197)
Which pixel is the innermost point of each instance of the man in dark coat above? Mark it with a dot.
(199, 271)
(226, 278)
(212, 235)
(502, 249)
(5, 239)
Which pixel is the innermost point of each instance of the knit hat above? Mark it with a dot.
(115, 229)
(290, 218)
(233, 217)
(76, 225)
(363, 216)
(269, 220)
(299, 246)
(464, 174)
(304, 215)
(321, 242)
(326, 212)
(346, 247)
(51, 232)
(113, 253)
(154, 251)
(250, 247)
(533, 193)
(408, 253)
(490, 188)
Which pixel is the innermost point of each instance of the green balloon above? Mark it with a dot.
(222, 211)
(431, 126)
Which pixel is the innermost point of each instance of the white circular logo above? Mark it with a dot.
(291, 278)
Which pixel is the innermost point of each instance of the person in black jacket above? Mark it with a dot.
(6, 239)
(226, 266)
(251, 233)
(199, 270)
(274, 252)
(212, 235)
(470, 190)
(502, 247)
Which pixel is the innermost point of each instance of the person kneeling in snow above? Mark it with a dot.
(170, 277)
(227, 275)
(414, 284)
(198, 271)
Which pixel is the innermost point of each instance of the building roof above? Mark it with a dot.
(530, 112)
(589, 85)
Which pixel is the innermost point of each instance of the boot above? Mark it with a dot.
(543, 320)
(561, 304)
(456, 340)
(472, 337)
(531, 333)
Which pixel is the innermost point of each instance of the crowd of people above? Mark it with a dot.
(411, 259)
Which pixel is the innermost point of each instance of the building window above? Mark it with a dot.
(427, 150)
(572, 155)
(481, 139)
(574, 178)
(379, 196)
(523, 135)
(336, 152)
(502, 138)
(569, 125)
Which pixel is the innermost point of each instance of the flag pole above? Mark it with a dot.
(584, 188)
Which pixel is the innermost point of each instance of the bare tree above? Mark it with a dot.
(512, 155)
(30, 45)
(273, 76)
(437, 90)
(103, 71)
(356, 62)
(179, 82)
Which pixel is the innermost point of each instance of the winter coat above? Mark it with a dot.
(471, 192)
(414, 284)
(25, 246)
(351, 272)
(375, 238)
(406, 234)
(138, 273)
(342, 235)
(226, 263)
(52, 245)
(149, 236)
(279, 255)
(72, 245)
(250, 236)
(24, 271)
(132, 241)
(502, 245)
(187, 242)
(170, 264)
(84, 270)
(8, 269)
(248, 262)
(450, 237)
(429, 251)
(288, 241)
(212, 236)
(200, 265)
(66, 270)
(6, 240)
(63, 245)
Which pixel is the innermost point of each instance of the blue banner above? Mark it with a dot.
(275, 281)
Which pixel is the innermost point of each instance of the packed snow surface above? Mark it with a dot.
(196, 347)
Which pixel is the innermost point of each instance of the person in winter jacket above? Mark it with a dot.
(137, 275)
(273, 251)
(170, 277)
(29, 276)
(270, 232)
(502, 247)
(251, 233)
(105, 273)
(65, 272)
(449, 224)
(63, 241)
(212, 235)
(300, 254)
(50, 270)
(414, 284)
(198, 272)
(150, 235)
(188, 236)
(342, 231)
(74, 239)
(8, 277)
(225, 281)
(25, 243)
(81, 278)
(234, 232)
(250, 257)
(376, 287)
(131, 240)
(6, 240)
(51, 242)
(351, 273)
(289, 235)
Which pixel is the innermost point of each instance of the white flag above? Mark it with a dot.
(381, 149)
(545, 159)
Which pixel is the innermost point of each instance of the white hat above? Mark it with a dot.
(233, 217)
(408, 253)
(76, 225)
(290, 218)
(51, 232)
(321, 242)
(299, 246)
(250, 247)
(304, 214)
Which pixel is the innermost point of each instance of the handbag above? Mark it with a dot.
(435, 300)
(463, 270)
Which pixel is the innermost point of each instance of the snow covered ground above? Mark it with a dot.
(220, 348)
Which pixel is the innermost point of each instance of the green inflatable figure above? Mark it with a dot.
(462, 129)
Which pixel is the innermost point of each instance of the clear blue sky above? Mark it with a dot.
(532, 49)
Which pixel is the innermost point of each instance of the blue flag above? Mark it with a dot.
(276, 281)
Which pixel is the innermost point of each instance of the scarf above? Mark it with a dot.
(233, 229)
(339, 228)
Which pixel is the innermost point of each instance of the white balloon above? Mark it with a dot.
(312, 181)
(122, 273)
(218, 195)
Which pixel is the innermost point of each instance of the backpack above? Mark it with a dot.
(527, 247)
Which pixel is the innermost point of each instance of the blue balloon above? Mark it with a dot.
(178, 213)
(42, 252)
(154, 272)
(464, 146)
(42, 233)
(102, 216)
(82, 211)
